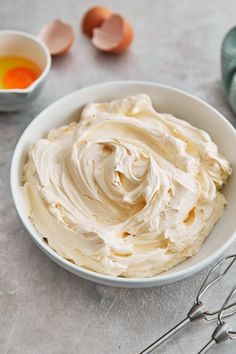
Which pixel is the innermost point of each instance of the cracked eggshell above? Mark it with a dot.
(114, 36)
(58, 36)
(94, 18)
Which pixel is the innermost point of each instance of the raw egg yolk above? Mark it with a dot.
(19, 78)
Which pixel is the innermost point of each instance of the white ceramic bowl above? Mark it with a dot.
(27, 46)
(165, 99)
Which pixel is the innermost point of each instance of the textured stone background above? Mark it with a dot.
(43, 308)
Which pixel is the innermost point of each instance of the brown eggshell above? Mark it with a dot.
(94, 18)
(58, 36)
(114, 36)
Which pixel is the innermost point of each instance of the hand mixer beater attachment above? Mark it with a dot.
(200, 311)
(223, 331)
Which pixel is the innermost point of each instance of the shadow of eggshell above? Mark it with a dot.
(58, 37)
(114, 36)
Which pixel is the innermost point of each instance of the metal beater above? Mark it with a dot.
(200, 311)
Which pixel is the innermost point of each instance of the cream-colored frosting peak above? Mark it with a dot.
(125, 191)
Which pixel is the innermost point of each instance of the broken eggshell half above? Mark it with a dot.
(58, 36)
(114, 36)
(94, 18)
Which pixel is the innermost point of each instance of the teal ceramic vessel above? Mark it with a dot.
(228, 66)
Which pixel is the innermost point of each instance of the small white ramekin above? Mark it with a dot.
(30, 47)
(165, 99)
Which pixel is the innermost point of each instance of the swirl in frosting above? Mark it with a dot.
(126, 191)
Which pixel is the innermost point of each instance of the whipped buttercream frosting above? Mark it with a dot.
(125, 191)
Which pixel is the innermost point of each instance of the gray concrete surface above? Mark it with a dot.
(43, 308)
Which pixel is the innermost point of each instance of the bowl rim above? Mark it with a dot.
(45, 71)
(111, 280)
